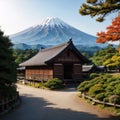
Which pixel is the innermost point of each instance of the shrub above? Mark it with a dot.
(117, 90)
(93, 75)
(83, 86)
(54, 83)
(107, 75)
(115, 82)
(114, 99)
(38, 85)
(109, 88)
(94, 90)
(106, 99)
(108, 94)
(100, 96)
(110, 79)
(103, 87)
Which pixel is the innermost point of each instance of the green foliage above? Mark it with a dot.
(114, 99)
(93, 75)
(101, 87)
(34, 84)
(117, 88)
(22, 55)
(99, 8)
(55, 83)
(88, 51)
(96, 89)
(109, 88)
(113, 62)
(7, 65)
(38, 85)
(100, 96)
(106, 99)
(101, 56)
(84, 86)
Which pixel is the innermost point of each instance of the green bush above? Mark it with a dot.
(114, 99)
(117, 89)
(106, 99)
(83, 86)
(93, 75)
(96, 89)
(38, 85)
(108, 94)
(115, 82)
(102, 87)
(109, 88)
(106, 75)
(100, 96)
(54, 83)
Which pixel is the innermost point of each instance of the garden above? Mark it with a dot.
(103, 87)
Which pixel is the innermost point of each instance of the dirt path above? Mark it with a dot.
(40, 104)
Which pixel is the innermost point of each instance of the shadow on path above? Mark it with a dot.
(37, 108)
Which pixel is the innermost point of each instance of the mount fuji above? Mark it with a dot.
(53, 31)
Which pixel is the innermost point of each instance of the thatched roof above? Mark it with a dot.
(45, 55)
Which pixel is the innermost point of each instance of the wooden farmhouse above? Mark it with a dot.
(63, 61)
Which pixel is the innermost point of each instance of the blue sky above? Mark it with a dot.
(17, 15)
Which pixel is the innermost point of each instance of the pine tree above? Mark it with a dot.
(7, 65)
(100, 8)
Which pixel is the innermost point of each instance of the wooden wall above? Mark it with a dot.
(68, 56)
(40, 74)
(58, 71)
(77, 72)
(56, 68)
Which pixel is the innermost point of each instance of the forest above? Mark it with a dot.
(23, 55)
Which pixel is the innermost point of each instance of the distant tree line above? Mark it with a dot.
(23, 55)
(108, 56)
(102, 55)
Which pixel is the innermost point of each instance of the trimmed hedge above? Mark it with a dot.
(102, 87)
(54, 83)
(114, 99)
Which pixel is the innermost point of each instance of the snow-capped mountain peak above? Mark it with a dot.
(52, 21)
(53, 31)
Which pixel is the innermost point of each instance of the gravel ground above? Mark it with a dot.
(41, 104)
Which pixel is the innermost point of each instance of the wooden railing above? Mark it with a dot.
(8, 104)
(94, 101)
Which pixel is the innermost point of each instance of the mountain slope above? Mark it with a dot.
(53, 31)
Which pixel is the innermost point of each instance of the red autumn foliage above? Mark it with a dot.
(112, 33)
